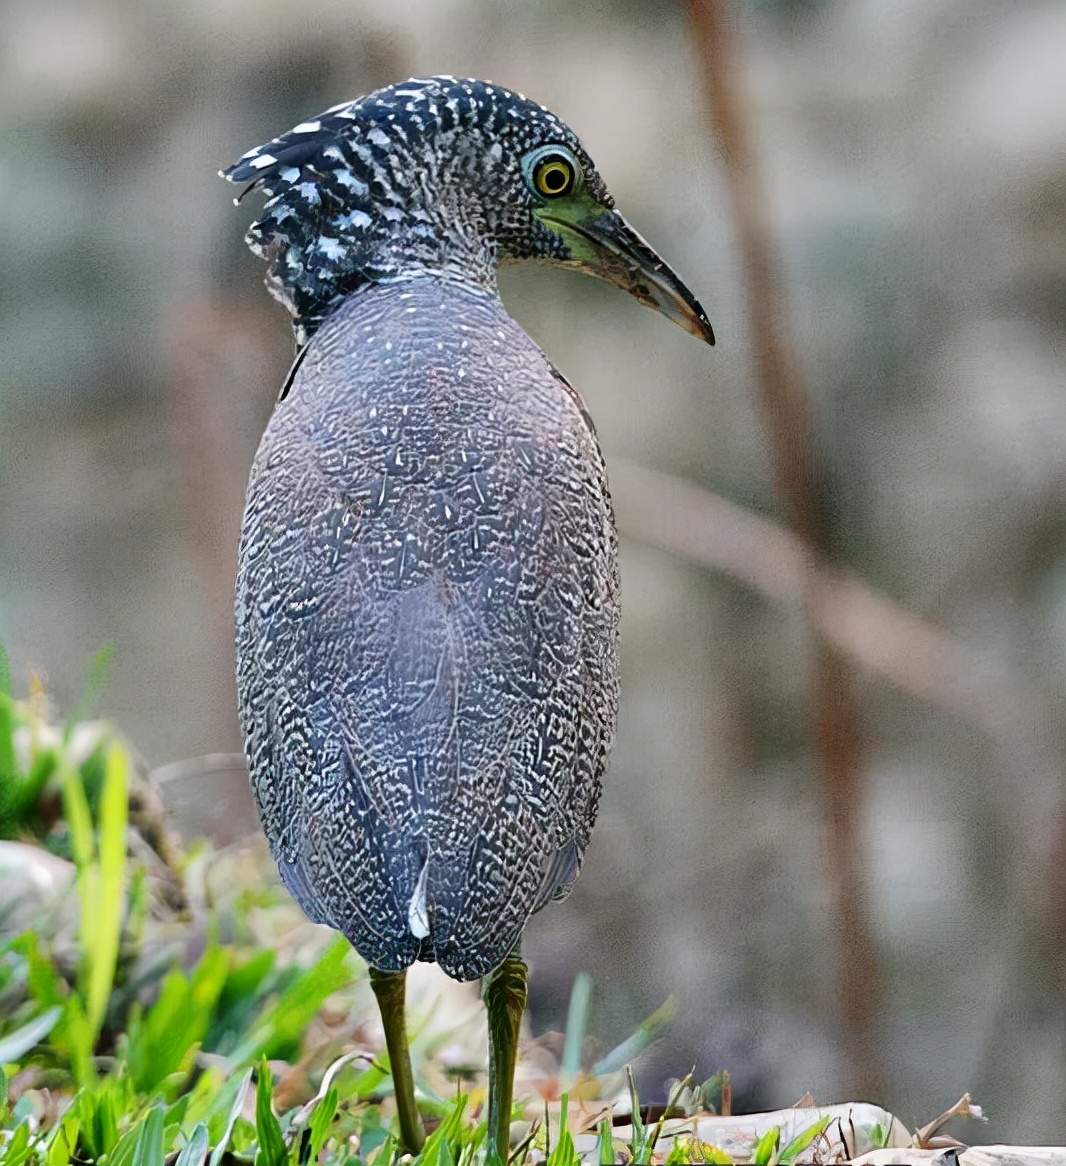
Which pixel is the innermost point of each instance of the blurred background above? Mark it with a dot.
(833, 828)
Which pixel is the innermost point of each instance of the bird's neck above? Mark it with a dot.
(312, 278)
(451, 253)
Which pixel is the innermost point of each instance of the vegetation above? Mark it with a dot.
(146, 1016)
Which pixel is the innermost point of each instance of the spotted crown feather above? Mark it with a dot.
(355, 194)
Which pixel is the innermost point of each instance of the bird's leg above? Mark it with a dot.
(504, 991)
(389, 988)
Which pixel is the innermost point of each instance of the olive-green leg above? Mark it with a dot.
(389, 988)
(504, 991)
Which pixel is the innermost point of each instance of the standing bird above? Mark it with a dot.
(427, 593)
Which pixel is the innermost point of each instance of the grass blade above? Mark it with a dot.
(64, 1140)
(649, 1030)
(167, 1038)
(149, 1148)
(76, 1038)
(439, 1149)
(605, 1144)
(671, 1106)
(18, 1148)
(80, 821)
(93, 685)
(577, 1016)
(271, 1149)
(563, 1153)
(231, 1118)
(764, 1151)
(194, 1152)
(101, 938)
(99, 1110)
(321, 1120)
(17, 1044)
(803, 1139)
(638, 1147)
(8, 769)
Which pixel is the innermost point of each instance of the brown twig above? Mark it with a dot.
(797, 476)
(927, 1136)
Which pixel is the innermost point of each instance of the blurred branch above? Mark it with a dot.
(794, 464)
(875, 633)
(883, 639)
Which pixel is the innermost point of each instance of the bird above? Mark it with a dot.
(427, 594)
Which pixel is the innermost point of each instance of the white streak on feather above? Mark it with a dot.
(417, 914)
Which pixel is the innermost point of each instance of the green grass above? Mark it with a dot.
(141, 1023)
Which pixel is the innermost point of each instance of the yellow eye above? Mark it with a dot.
(553, 176)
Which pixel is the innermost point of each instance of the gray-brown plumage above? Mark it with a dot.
(427, 626)
(427, 597)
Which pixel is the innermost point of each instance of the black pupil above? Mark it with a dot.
(555, 177)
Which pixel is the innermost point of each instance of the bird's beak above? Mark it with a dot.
(602, 243)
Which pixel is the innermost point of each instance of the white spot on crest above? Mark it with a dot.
(355, 218)
(306, 127)
(263, 160)
(348, 179)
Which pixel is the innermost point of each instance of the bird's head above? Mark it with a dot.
(443, 175)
